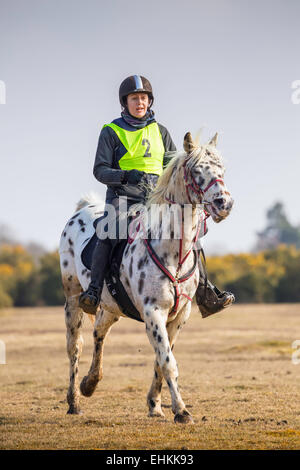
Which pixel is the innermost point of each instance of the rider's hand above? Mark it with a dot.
(133, 176)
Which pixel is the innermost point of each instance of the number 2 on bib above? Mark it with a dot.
(146, 142)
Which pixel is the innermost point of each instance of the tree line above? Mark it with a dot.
(29, 276)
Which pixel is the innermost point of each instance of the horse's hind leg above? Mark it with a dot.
(154, 394)
(158, 336)
(103, 324)
(73, 319)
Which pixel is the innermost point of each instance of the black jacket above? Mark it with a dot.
(106, 167)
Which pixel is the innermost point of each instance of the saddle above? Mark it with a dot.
(112, 278)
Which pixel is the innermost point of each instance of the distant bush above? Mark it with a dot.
(268, 276)
(50, 279)
(24, 281)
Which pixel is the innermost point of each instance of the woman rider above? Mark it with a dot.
(134, 149)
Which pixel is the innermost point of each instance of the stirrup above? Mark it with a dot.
(89, 301)
(211, 300)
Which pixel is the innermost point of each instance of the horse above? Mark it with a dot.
(160, 275)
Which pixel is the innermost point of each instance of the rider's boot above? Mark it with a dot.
(211, 300)
(90, 299)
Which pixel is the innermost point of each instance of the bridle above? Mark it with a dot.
(195, 187)
(176, 280)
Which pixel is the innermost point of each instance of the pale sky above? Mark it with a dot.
(225, 65)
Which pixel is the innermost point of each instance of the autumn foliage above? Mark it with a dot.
(268, 276)
(26, 282)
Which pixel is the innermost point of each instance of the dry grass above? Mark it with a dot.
(235, 372)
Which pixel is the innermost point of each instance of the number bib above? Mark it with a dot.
(145, 148)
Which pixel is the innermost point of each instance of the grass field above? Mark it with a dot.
(235, 373)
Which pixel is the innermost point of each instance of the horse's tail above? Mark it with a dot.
(90, 198)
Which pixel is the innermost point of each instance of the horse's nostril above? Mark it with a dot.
(219, 202)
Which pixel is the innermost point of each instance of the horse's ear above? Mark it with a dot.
(214, 140)
(188, 143)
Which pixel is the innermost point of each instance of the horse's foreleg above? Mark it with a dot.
(173, 329)
(73, 319)
(103, 324)
(158, 336)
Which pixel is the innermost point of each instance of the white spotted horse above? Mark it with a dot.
(160, 274)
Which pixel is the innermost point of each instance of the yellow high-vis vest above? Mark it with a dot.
(145, 148)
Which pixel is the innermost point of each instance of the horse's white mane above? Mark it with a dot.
(89, 198)
(205, 154)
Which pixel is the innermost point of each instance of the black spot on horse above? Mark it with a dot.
(146, 300)
(154, 334)
(141, 285)
(71, 251)
(152, 404)
(70, 278)
(126, 251)
(130, 267)
(127, 282)
(159, 338)
(65, 233)
(82, 229)
(153, 300)
(133, 247)
(74, 216)
(167, 359)
(70, 241)
(140, 263)
(71, 222)
(81, 223)
(65, 263)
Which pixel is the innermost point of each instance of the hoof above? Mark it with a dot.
(183, 418)
(74, 410)
(87, 386)
(156, 414)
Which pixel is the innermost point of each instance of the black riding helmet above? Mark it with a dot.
(135, 84)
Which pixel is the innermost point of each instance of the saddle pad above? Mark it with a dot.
(87, 252)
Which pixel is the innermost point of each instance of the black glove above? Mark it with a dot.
(132, 177)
